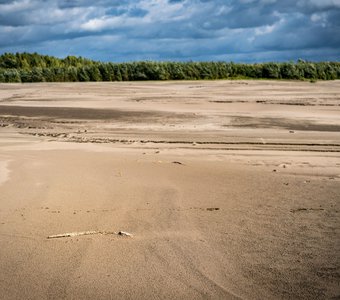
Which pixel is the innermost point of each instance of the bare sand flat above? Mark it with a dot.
(230, 190)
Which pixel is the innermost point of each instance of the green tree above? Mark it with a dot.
(12, 75)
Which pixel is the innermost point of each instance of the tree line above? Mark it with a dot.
(33, 67)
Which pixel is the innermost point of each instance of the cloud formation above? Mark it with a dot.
(125, 30)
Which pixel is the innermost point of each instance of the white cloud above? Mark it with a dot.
(320, 3)
(16, 6)
(264, 29)
(111, 22)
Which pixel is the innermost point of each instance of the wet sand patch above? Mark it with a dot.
(82, 113)
(281, 123)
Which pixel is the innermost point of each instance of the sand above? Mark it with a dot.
(230, 190)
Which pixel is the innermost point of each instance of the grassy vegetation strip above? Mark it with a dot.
(27, 67)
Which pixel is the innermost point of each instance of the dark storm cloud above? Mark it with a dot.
(246, 30)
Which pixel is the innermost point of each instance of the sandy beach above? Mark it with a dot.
(230, 190)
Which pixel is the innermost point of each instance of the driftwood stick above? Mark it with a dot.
(73, 234)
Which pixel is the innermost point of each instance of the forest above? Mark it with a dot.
(33, 67)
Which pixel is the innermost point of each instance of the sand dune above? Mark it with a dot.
(230, 189)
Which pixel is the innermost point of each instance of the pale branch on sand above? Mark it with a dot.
(79, 233)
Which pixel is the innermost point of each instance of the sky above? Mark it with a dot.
(174, 30)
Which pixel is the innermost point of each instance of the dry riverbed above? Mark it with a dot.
(229, 189)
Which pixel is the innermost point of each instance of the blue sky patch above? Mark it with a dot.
(181, 30)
